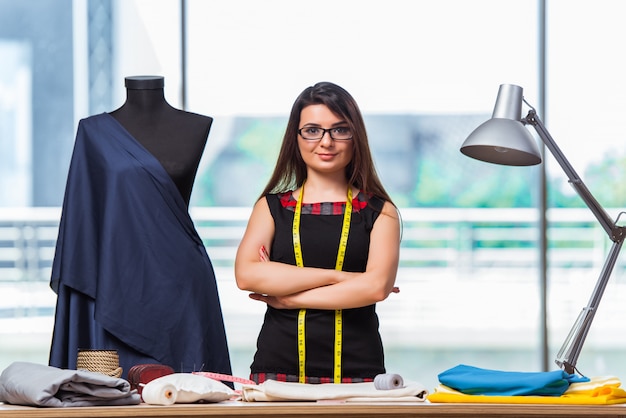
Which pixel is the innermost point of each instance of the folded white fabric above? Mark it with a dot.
(271, 390)
(185, 388)
(593, 383)
(31, 384)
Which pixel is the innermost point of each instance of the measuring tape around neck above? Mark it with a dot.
(341, 254)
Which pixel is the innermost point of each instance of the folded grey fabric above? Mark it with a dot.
(31, 384)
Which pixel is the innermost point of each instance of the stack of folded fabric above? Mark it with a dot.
(467, 384)
(31, 384)
(385, 388)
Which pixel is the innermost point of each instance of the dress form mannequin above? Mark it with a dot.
(175, 137)
(130, 269)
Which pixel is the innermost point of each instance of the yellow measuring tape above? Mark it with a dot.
(341, 254)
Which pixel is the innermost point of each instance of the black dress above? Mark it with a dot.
(320, 230)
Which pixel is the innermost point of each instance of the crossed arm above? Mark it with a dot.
(290, 287)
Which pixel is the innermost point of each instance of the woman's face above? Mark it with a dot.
(325, 155)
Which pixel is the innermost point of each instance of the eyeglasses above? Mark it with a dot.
(313, 133)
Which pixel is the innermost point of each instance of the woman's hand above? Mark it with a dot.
(276, 302)
(263, 255)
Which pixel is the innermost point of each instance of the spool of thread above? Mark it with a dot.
(155, 393)
(388, 381)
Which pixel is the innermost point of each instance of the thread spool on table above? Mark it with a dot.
(388, 381)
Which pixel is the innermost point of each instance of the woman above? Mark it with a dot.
(321, 248)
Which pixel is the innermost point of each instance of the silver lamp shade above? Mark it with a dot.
(503, 139)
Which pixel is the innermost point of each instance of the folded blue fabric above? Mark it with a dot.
(476, 381)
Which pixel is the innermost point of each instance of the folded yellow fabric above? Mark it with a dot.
(602, 395)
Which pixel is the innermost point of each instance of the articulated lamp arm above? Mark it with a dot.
(569, 352)
(605, 220)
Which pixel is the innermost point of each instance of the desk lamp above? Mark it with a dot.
(503, 139)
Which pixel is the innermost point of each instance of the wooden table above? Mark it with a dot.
(320, 409)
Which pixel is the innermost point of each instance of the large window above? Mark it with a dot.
(586, 98)
(425, 75)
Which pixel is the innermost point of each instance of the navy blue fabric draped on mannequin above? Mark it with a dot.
(130, 269)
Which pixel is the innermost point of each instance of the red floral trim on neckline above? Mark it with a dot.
(288, 201)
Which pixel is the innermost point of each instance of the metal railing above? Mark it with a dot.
(460, 239)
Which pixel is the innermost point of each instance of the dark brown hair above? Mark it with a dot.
(290, 171)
